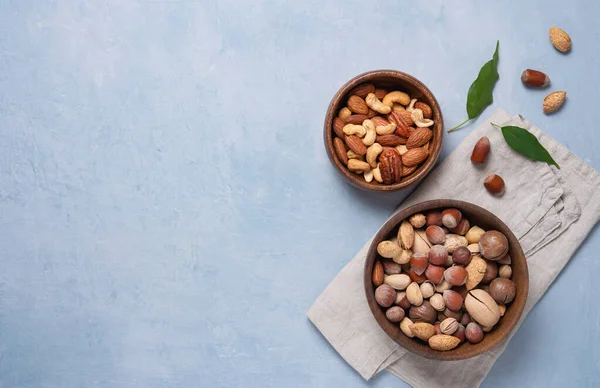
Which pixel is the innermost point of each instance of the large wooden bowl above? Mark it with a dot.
(520, 275)
(390, 80)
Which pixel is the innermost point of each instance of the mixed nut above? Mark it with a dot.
(441, 280)
(383, 135)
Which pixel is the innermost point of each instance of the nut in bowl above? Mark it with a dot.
(455, 302)
(383, 130)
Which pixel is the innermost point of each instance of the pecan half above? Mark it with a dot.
(390, 165)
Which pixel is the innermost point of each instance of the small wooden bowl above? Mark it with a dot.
(520, 275)
(390, 80)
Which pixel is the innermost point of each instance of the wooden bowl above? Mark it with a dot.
(520, 275)
(390, 80)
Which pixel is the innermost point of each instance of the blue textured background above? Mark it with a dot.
(167, 210)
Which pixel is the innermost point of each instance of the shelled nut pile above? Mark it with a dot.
(444, 281)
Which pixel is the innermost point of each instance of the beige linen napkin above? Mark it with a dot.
(548, 218)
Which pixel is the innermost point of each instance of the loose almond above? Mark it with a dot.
(553, 101)
(560, 39)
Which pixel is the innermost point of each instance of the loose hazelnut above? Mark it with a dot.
(427, 289)
(474, 234)
(434, 218)
(419, 262)
(493, 245)
(417, 220)
(438, 254)
(453, 300)
(395, 314)
(402, 300)
(456, 275)
(385, 295)
(435, 234)
(481, 150)
(460, 333)
(422, 313)
(462, 256)
(505, 271)
(451, 217)
(466, 318)
(448, 326)
(462, 228)
(435, 273)
(391, 268)
(437, 302)
(491, 272)
(473, 333)
(494, 184)
(503, 290)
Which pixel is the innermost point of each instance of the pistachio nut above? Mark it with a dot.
(413, 294)
(448, 326)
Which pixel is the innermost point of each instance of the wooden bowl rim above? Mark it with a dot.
(438, 130)
(465, 350)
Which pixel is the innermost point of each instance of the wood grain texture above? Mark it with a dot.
(390, 80)
(478, 216)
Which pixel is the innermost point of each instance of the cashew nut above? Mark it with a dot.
(353, 155)
(385, 129)
(352, 129)
(377, 174)
(417, 116)
(374, 103)
(396, 96)
(411, 107)
(397, 107)
(368, 176)
(372, 154)
(371, 134)
(401, 149)
(344, 112)
(358, 166)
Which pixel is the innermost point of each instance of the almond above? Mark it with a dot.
(402, 128)
(357, 105)
(419, 137)
(340, 150)
(338, 126)
(414, 157)
(427, 112)
(378, 274)
(422, 330)
(406, 171)
(560, 39)
(355, 144)
(476, 270)
(363, 90)
(372, 113)
(380, 93)
(443, 342)
(390, 140)
(553, 101)
(406, 116)
(356, 119)
(379, 121)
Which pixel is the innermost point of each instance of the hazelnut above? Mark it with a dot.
(491, 272)
(402, 300)
(503, 290)
(435, 234)
(435, 274)
(385, 295)
(494, 184)
(451, 217)
(481, 150)
(427, 289)
(422, 313)
(465, 319)
(447, 313)
(462, 228)
(505, 271)
(395, 314)
(460, 333)
(473, 333)
(434, 218)
(493, 245)
(437, 302)
(474, 234)
(462, 256)
(391, 268)
(419, 262)
(416, 277)
(417, 220)
(456, 275)
(453, 300)
(448, 326)
(438, 254)
(505, 260)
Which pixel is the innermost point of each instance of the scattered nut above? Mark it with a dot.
(438, 254)
(340, 150)
(420, 121)
(560, 39)
(358, 105)
(418, 263)
(423, 313)
(494, 184)
(553, 101)
(493, 245)
(374, 103)
(503, 290)
(481, 150)
(434, 218)
(396, 96)
(453, 300)
(461, 256)
(451, 218)
(476, 271)
(372, 153)
(370, 135)
(535, 78)
(406, 235)
(358, 166)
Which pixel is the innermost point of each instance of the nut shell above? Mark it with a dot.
(481, 150)
(423, 313)
(395, 314)
(560, 39)
(474, 333)
(438, 255)
(461, 256)
(453, 300)
(437, 302)
(494, 184)
(482, 308)
(413, 294)
(422, 330)
(435, 234)
(385, 295)
(443, 342)
(417, 220)
(451, 218)
(503, 290)
(456, 275)
(434, 218)
(390, 268)
(419, 262)
(448, 326)
(401, 300)
(398, 281)
(377, 274)
(493, 245)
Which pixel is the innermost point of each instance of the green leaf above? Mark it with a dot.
(480, 93)
(525, 143)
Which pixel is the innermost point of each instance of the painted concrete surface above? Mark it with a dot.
(167, 210)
